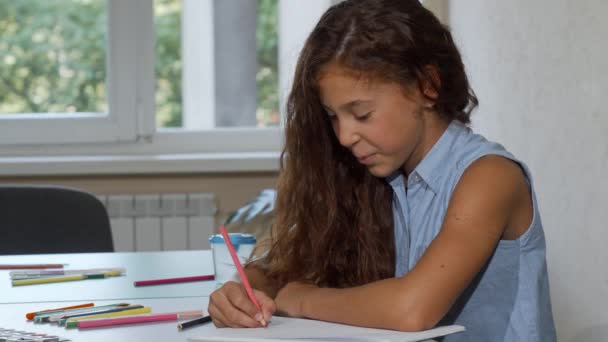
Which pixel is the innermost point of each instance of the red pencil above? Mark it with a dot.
(173, 280)
(241, 271)
(146, 318)
(29, 266)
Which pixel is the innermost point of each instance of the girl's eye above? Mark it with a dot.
(364, 116)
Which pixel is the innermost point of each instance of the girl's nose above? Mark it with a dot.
(346, 132)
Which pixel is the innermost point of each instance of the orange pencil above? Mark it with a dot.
(31, 315)
(29, 266)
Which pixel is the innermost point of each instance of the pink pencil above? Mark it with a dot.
(239, 268)
(173, 280)
(105, 322)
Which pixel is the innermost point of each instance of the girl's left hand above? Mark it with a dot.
(290, 299)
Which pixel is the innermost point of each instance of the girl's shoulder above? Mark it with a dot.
(460, 147)
(468, 146)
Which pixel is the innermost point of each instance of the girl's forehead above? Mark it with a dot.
(334, 76)
(334, 69)
(338, 79)
(364, 79)
(337, 88)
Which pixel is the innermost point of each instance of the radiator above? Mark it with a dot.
(155, 222)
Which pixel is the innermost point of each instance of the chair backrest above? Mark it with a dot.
(51, 219)
(256, 217)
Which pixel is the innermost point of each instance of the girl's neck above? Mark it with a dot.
(433, 128)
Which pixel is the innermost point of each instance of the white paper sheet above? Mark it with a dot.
(293, 329)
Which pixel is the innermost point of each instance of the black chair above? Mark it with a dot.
(50, 219)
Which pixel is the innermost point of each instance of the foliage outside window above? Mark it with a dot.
(53, 58)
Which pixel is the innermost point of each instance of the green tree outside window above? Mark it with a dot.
(53, 58)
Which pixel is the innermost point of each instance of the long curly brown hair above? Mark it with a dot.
(334, 221)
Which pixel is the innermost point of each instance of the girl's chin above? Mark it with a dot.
(380, 170)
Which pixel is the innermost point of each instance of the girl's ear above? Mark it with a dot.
(430, 83)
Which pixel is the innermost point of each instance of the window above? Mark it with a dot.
(53, 65)
(147, 77)
(53, 68)
(185, 31)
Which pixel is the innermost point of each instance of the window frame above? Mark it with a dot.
(127, 141)
(127, 92)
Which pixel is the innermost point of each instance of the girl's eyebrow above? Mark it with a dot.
(348, 107)
(328, 110)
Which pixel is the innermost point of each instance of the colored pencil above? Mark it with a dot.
(73, 322)
(56, 317)
(86, 315)
(31, 315)
(58, 272)
(194, 322)
(173, 280)
(29, 266)
(241, 271)
(172, 316)
(58, 279)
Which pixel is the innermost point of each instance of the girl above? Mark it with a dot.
(391, 213)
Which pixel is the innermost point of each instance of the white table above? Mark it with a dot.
(12, 316)
(15, 302)
(139, 266)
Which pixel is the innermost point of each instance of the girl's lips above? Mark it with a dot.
(366, 159)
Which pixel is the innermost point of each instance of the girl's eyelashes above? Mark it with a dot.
(364, 116)
(332, 116)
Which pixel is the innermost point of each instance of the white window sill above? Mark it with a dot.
(139, 164)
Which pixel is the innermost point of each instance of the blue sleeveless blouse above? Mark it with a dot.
(509, 299)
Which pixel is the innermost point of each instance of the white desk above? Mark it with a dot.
(15, 302)
(139, 266)
(12, 316)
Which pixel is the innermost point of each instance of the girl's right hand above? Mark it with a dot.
(229, 306)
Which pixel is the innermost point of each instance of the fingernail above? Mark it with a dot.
(258, 317)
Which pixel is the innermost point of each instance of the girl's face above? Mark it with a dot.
(384, 128)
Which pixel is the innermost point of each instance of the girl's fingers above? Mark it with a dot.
(216, 316)
(241, 310)
(230, 306)
(268, 305)
(224, 306)
(239, 298)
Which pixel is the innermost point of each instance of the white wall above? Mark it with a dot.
(296, 21)
(540, 70)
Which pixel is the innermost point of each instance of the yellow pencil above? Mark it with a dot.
(110, 314)
(58, 279)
